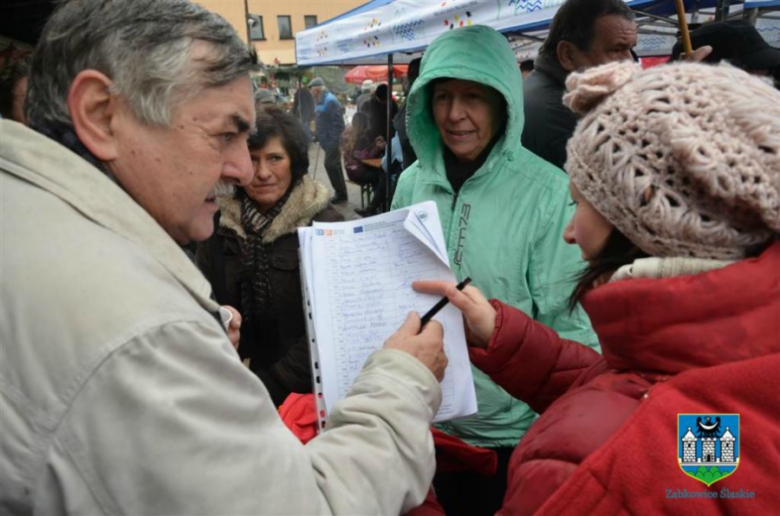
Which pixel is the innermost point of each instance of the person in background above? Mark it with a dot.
(400, 119)
(264, 98)
(675, 172)
(737, 42)
(356, 146)
(583, 33)
(366, 92)
(304, 107)
(393, 168)
(376, 108)
(119, 390)
(502, 209)
(13, 88)
(330, 126)
(252, 259)
(526, 67)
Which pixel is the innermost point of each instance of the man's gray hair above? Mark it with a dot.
(144, 46)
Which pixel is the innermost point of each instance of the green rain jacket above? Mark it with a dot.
(505, 227)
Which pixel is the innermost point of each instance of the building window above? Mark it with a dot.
(285, 28)
(310, 20)
(256, 32)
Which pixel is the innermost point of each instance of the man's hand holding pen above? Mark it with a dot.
(425, 344)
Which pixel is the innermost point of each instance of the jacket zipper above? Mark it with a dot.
(452, 221)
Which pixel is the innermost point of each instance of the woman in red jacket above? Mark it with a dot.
(676, 175)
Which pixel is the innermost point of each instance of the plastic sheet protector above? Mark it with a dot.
(357, 278)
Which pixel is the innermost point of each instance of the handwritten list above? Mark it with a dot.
(361, 289)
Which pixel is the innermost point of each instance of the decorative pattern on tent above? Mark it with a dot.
(367, 34)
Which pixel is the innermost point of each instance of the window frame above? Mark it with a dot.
(261, 24)
(306, 17)
(279, 26)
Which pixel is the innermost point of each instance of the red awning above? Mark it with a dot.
(376, 73)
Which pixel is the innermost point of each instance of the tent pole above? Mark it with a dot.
(246, 23)
(389, 128)
(722, 10)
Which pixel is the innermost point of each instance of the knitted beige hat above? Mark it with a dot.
(683, 159)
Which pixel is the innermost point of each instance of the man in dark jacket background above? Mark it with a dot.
(583, 34)
(329, 125)
(303, 107)
(736, 41)
(400, 119)
(376, 107)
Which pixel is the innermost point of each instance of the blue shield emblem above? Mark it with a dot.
(708, 445)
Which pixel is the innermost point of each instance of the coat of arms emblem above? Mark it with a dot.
(708, 445)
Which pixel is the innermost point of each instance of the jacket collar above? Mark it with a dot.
(552, 68)
(36, 159)
(306, 200)
(324, 98)
(674, 324)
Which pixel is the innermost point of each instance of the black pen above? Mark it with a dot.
(441, 304)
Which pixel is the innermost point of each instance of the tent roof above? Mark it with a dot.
(368, 33)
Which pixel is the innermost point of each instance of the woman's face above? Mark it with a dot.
(467, 115)
(272, 174)
(587, 228)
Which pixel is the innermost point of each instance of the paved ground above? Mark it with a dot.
(317, 171)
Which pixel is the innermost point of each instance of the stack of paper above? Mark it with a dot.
(357, 278)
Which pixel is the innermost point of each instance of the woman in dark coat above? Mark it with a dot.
(252, 259)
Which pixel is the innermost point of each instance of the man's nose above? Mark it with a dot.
(239, 167)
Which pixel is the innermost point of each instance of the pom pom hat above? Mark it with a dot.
(683, 159)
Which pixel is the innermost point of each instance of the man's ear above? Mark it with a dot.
(92, 108)
(565, 53)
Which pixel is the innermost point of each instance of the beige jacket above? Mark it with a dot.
(120, 393)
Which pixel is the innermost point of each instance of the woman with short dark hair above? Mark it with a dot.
(252, 259)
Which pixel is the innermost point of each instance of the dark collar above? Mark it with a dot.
(551, 67)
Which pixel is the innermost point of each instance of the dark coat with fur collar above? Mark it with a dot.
(275, 345)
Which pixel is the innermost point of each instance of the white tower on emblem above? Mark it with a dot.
(727, 446)
(689, 446)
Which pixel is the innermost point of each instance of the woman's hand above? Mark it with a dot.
(479, 314)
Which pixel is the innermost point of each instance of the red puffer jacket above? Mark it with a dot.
(660, 338)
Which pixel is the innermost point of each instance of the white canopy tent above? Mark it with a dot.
(395, 31)
(369, 33)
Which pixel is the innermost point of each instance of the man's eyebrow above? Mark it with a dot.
(241, 124)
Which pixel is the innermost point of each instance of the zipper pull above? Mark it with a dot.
(454, 202)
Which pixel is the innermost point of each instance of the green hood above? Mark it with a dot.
(478, 54)
(504, 226)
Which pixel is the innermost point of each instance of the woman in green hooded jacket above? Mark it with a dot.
(502, 210)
